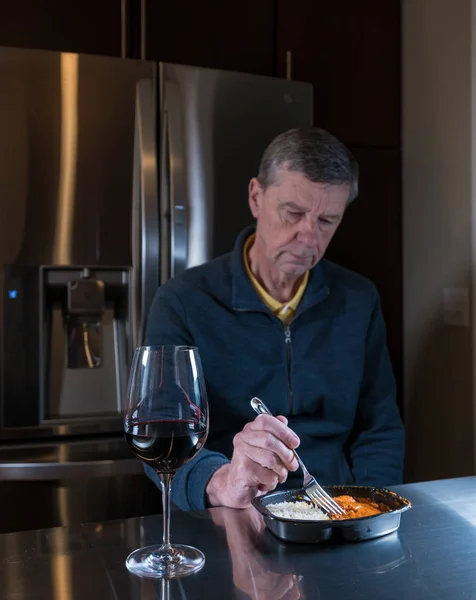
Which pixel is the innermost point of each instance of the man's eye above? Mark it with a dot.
(294, 214)
(326, 221)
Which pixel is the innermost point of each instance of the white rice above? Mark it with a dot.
(303, 511)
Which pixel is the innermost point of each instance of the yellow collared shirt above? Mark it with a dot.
(283, 310)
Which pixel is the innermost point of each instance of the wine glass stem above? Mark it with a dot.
(166, 482)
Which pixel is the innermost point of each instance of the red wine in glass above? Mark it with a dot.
(166, 425)
(166, 445)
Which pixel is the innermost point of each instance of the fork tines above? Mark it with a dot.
(322, 498)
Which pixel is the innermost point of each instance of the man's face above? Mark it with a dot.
(296, 219)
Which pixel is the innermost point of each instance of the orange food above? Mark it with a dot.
(357, 507)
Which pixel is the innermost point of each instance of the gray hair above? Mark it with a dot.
(315, 153)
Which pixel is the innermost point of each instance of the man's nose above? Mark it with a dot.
(308, 233)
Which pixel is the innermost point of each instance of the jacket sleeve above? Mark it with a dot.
(377, 443)
(166, 324)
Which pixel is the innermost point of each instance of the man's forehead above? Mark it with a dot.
(307, 194)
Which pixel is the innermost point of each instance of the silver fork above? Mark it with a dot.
(315, 492)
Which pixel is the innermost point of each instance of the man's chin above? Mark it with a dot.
(295, 270)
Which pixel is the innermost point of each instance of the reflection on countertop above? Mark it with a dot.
(432, 555)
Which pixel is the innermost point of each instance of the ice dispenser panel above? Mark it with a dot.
(84, 310)
(67, 343)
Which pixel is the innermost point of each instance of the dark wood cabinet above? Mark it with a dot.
(216, 34)
(369, 239)
(350, 51)
(88, 26)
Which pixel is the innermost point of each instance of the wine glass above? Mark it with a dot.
(166, 424)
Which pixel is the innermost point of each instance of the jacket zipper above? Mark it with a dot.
(287, 341)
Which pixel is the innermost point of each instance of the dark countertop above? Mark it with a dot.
(433, 555)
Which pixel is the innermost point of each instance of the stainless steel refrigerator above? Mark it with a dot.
(114, 176)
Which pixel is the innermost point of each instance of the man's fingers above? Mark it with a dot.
(292, 593)
(268, 451)
(265, 458)
(276, 586)
(258, 477)
(276, 427)
(286, 588)
(261, 459)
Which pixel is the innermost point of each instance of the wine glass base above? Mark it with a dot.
(154, 562)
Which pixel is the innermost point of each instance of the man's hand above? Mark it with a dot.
(261, 458)
(253, 573)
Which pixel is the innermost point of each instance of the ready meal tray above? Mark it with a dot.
(352, 530)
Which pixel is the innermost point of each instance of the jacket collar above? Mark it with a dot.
(244, 296)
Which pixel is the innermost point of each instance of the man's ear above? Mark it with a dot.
(255, 197)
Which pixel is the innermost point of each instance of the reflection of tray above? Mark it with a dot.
(385, 554)
(353, 530)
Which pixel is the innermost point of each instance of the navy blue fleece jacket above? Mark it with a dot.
(329, 373)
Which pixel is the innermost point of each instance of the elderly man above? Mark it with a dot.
(275, 319)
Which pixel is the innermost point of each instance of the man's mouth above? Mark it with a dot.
(300, 258)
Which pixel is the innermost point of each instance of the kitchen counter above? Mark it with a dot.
(433, 555)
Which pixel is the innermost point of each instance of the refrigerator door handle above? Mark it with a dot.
(145, 215)
(178, 193)
(165, 203)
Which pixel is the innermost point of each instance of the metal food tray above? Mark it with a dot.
(351, 530)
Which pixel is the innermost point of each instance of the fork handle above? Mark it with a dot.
(260, 407)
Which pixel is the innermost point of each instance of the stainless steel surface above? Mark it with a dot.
(145, 215)
(431, 556)
(66, 182)
(73, 393)
(70, 482)
(107, 457)
(76, 392)
(180, 164)
(85, 306)
(45, 353)
(66, 148)
(352, 530)
(63, 470)
(65, 502)
(164, 205)
(212, 159)
(73, 156)
(310, 486)
(56, 428)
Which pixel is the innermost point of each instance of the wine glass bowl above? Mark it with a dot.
(166, 425)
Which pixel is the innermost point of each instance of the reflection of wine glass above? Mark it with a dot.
(171, 589)
(166, 424)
